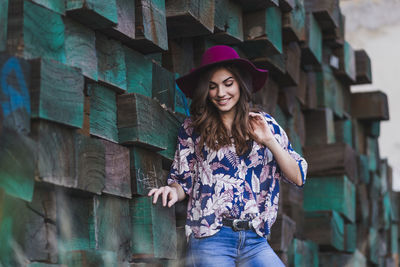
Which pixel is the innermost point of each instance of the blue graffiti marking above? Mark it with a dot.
(184, 100)
(16, 99)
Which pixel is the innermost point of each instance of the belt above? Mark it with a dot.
(237, 225)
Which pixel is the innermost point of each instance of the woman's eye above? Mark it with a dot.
(228, 84)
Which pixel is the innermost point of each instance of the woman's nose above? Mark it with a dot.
(221, 91)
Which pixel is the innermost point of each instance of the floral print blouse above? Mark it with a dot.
(222, 184)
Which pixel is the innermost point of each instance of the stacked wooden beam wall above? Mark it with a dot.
(90, 112)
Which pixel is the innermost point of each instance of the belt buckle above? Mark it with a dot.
(235, 226)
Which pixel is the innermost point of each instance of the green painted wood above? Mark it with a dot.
(89, 257)
(373, 128)
(188, 18)
(138, 72)
(3, 24)
(356, 259)
(35, 32)
(111, 62)
(362, 204)
(363, 168)
(325, 132)
(363, 67)
(151, 26)
(163, 88)
(293, 23)
(312, 47)
(146, 171)
(114, 229)
(117, 172)
(262, 31)
(386, 210)
(347, 64)
(153, 229)
(140, 120)
(125, 29)
(75, 222)
(228, 20)
(97, 14)
(344, 131)
(57, 92)
(350, 237)
(80, 49)
(370, 106)
(54, 5)
(326, 229)
(90, 164)
(372, 153)
(329, 193)
(182, 103)
(373, 245)
(103, 112)
(303, 253)
(394, 236)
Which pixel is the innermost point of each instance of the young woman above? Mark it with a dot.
(229, 161)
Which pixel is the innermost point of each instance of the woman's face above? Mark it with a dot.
(224, 91)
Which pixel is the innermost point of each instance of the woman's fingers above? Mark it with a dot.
(157, 193)
(174, 199)
(165, 195)
(151, 192)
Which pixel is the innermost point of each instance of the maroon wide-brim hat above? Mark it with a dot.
(216, 55)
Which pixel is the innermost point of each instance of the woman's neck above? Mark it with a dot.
(227, 119)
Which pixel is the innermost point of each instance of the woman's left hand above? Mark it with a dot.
(260, 130)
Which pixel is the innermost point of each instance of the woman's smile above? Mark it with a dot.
(224, 91)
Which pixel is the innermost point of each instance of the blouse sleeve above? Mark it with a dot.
(182, 168)
(284, 141)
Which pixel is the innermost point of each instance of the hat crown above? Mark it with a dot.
(218, 53)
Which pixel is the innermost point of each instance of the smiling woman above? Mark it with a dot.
(229, 161)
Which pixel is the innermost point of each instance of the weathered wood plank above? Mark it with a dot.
(312, 45)
(282, 233)
(311, 96)
(187, 18)
(163, 86)
(320, 127)
(328, 94)
(293, 23)
(124, 31)
(66, 105)
(292, 54)
(114, 229)
(370, 106)
(153, 229)
(228, 21)
(363, 67)
(140, 120)
(267, 98)
(335, 37)
(362, 204)
(344, 131)
(291, 204)
(253, 5)
(372, 147)
(262, 32)
(146, 171)
(373, 245)
(326, 229)
(329, 193)
(88, 258)
(111, 62)
(325, 12)
(54, 5)
(103, 112)
(301, 92)
(342, 259)
(139, 72)
(3, 24)
(303, 253)
(93, 13)
(332, 159)
(35, 31)
(117, 173)
(80, 48)
(150, 26)
(287, 5)
(347, 64)
(350, 237)
(90, 164)
(182, 103)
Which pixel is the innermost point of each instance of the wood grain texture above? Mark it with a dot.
(96, 14)
(35, 32)
(282, 233)
(188, 18)
(89, 257)
(312, 45)
(180, 56)
(293, 23)
(370, 106)
(347, 64)
(362, 204)
(151, 26)
(291, 204)
(139, 72)
(363, 67)
(253, 5)
(80, 48)
(111, 62)
(3, 24)
(117, 174)
(103, 112)
(327, 90)
(344, 131)
(303, 253)
(90, 164)
(153, 229)
(125, 29)
(331, 193)
(267, 98)
(163, 86)
(57, 6)
(342, 259)
(228, 19)
(320, 127)
(326, 12)
(66, 105)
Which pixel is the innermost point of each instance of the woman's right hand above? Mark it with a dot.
(167, 192)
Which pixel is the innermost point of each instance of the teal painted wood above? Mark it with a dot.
(356, 259)
(103, 112)
(163, 88)
(37, 32)
(3, 24)
(312, 48)
(111, 62)
(153, 229)
(363, 67)
(327, 90)
(228, 21)
(331, 193)
(182, 104)
(280, 117)
(90, 164)
(293, 23)
(347, 63)
(57, 93)
(364, 175)
(142, 121)
(80, 48)
(372, 153)
(344, 131)
(114, 229)
(274, 27)
(394, 235)
(54, 5)
(387, 210)
(151, 26)
(350, 237)
(97, 14)
(373, 245)
(374, 128)
(303, 253)
(139, 72)
(89, 257)
(146, 171)
(125, 29)
(294, 137)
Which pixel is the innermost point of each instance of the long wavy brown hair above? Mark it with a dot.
(206, 119)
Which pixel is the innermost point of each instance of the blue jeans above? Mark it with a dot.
(229, 248)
